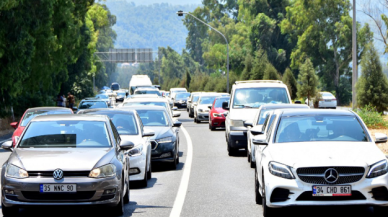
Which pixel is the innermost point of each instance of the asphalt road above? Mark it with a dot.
(217, 185)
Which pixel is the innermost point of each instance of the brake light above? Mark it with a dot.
(334, 99)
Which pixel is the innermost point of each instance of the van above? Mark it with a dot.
(246, 98)
(115, 86)
(139, 81)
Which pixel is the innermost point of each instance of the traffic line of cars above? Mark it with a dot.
(88, 158)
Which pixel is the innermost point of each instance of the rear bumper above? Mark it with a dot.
(238, 139)
(203, 116)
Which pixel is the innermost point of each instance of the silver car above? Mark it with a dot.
(66, 160)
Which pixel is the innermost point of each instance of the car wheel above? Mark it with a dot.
(248, 155)
(118, 210)
(149, 173)
(175, 162)
(9, 211)
(127, 194)
(258, 197)
(267, 211)
(253, 164)
(231, 151)
(211, 127)
(144, 182)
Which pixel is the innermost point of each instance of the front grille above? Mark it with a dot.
(154, 145)
(65, 173)
(80, 195)
(316, 175)
(308, 196)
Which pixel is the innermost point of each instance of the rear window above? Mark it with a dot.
(255, 97)
(137, 92)
(31, 114)
(146, 103)
(92, 105)
(115, 87)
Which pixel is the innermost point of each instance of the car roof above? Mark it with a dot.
(69, 117)
(93, 100)
(147, 99)
(146, 88)
(144, 107)
(259, 83)
(107, 110)
(315, 112)
(47, 109)
(142, 96)
(280, 106)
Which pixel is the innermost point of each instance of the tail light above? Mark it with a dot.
(334, 99)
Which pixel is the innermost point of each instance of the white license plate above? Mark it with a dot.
(332, 191)
(58, 188)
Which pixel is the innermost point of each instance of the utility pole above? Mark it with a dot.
(180, 13)
(354, 57)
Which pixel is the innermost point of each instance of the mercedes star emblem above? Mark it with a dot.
(331, 175)
(58, 174)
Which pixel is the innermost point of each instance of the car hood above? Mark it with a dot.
(161, 132)
(204, 106)
(310, 154)
(242, 114)
(71, 159)
(218, 110)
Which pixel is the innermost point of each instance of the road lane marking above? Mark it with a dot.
(181, 195)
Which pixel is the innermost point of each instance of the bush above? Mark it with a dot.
(372, 118)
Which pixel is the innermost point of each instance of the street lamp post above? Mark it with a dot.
(180, 13)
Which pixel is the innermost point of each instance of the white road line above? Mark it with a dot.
(181, 195)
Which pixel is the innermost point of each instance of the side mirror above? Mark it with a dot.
(75, 108)
(210, 107)
(248, 123)
(225, 105)
(189, 101)
(226, 114)
(174, 108)
(177, 124)
(7, 145)
(14, 125)
(257, 130)
(126, 94)
(176, 114)
(126, 145)
(297, 102)
(380, 138)
(148, 133)
(260, 140)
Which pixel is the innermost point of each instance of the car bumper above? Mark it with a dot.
(361, 193)
(238, 139)
(180, 105)
(164, 152)
(218, 121)
(323, 104)
(138, 164)
(89, 192)
(203, 116)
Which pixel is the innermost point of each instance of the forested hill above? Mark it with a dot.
(149, 26)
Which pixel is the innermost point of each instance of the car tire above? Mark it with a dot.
(174, 164)
(231, 151)
(267, 211)
(118, 210)
(211, 127)
(248, 155)
(149, 173)
(127, 194)
(144, 182)
(253, 164)
(9, 211)
(258, 197)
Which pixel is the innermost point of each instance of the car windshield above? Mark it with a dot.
(327, 94)
(92, 105)
(263, 115)
(320, 128)
(255, 97)
(138, 92)
(121, 94)
(180, 96)
(153, 118)
(146, 103)
(102, 96)
(115, 87)
(31, 114)
(195, 98)
(219, 101)
(207, 100)
(66, 134)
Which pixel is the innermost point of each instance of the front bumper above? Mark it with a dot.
(89, 191)
(180, 104)
(203, 116)
(139, 163)
(300, 192)
(218, 121)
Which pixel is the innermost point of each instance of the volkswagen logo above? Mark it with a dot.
(58, 174)
(331, 175)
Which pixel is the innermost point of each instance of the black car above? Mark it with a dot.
(180, 100)
(165, 143)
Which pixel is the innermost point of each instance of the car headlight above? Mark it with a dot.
(164, 140)
(236, 123)
(378, 169)
(15, 172)
(108, 170)
(281, 170)
(135, 151)
(217, 115)
(200, 110)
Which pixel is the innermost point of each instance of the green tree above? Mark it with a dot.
(290, 81)
(307, 80)
(271, 73)
(188, 79)
(372, 87)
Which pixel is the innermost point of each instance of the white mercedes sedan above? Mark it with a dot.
(319, 158)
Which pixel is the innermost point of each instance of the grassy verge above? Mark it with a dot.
(372, 118)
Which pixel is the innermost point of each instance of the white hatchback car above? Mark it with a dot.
(320, 158)
(327, 100)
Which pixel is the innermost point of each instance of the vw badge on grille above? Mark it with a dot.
(58, 174)
(331, 175)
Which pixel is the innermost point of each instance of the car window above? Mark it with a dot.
(66, 134)
(102, 96)
(320, 128)
(255, 97)
(180, 96)
(153, 117)
(92, 105)
(141, 124)
(195, 98)
(207, 100)
(31, 114)
(138, 92)
(115, 133)
(124, 123)
(164, 104)
(271, 125)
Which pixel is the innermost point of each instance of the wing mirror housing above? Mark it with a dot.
(14, 124)
(248, 123)
(189, 101)
(126, 145)
(176, 114)
(174, 108)
(225, 105)
(7, 145)
(380, 138)
(257, 130)
(177, 124)
(148, 133)
(75, 108)
(260, 140)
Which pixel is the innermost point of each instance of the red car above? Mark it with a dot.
(30, 114)
(217, 116)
